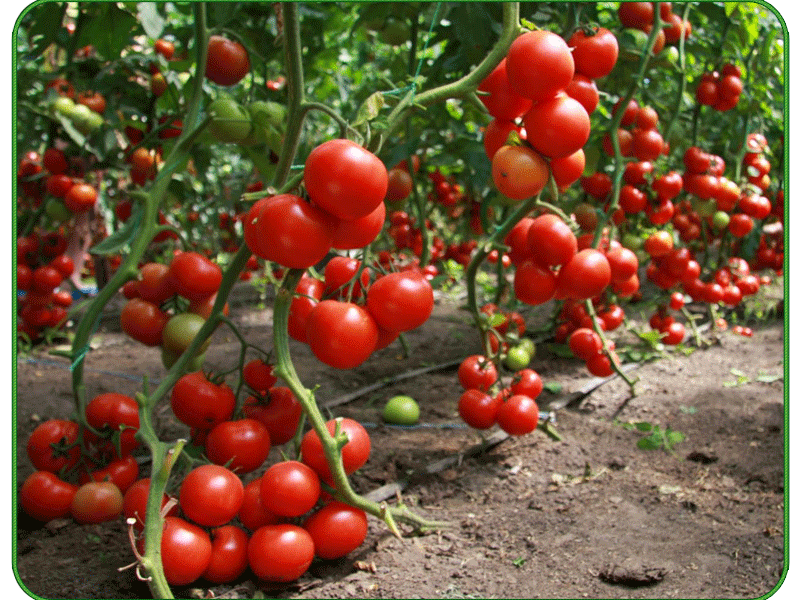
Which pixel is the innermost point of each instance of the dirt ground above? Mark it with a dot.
(589, 516)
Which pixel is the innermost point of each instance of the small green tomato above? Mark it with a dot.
(517, 358)
(401, 410)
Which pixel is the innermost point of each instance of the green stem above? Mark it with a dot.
(607, 350)
(682, 85)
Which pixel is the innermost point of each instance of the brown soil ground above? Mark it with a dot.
(591, 515)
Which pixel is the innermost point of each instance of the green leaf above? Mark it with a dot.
(648, 443)
(152, 22)
(496, 320)
(768, 377)
(47, 24)
(674, 437)
(561, 350)
(108, 30)
(121, 237)
(370, 108)
(643, 426)
(554, 387)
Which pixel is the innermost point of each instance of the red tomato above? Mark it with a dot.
(623, 262)
(585, 343)
(528, 383)
(518, 415)
(227, 61)
(496, 135)
(115, 412)
(567, 170)
(44, 496)
(586, 275)
(280, 414)
(290, 488)
(228, 554)
(551, 240)
(519, 172)
(539, 65)
(340, 278)
(400, 301)
(134, 502)
(253, 514)
(63, 264)
(143, 321)
(24, 277)
(46, 445)
(345, 179)
(280, 553)
(307, 295)
(242, 445)
(194, 276)
(477, 372)
(341, 334)
(287, 230)
(211, 495)
(675, 332)
(500, 100)
(45, 279)
(80, 197)
(350, 235)
(599, 365)
(584, 90)
(165, 48)
(258, 375)
(739, 226)
(354, 453)
(55, 161)
(122, 473)
(185, 551)
(557, 127)
(96, 502)
(58, 185)
(597, 185)
(478, 409)
(647, 144)
(595, 51)
(336, 529)
(198, 402)
(534, 284)
(637, 15)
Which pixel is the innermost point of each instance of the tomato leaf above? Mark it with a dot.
(648, 443)
(108, 30)
(121, 237)
(554, 387)
(370, 108)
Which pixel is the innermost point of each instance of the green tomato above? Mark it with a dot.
(85, 119)
(706, 208)
(517, 358)
(57, 211)
(401, 410)
(180, 331)
(632, 241)
(528, 345)
(721, 220)
(230, 122)
(63, 106)
(265, 112)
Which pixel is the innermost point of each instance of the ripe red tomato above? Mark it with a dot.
(500, 100)
(341, 334)
(496, 135)
(63, 264)
(194, 276)
(400, 301)
(739, 226)
(122, 473)
(164, 47)
(46, 444)
(551, 240)
(44, 496)
(637, 15)
(154, 284)
(528, 383)
(185, 551)
(227, 61)
(567, 170)
(258, 375)
(345, 179)
(143, 321)
(280, 553)
(93, 100)
(279, 412)
(24, 277)
(55, 161)
(599, 365)
(533, 283)
(45, 279)
(241, 445)
(228, 554)
(584, 90)
(519, 172)
(290, 488)
(115, 412)
(658, 243)
(340, 278)
(623, 262)
(399, 185)
(585, 276)
(477, 372)
(96, 502)
(354, 453)
(675, 332)
(134, 502)
(307, 295)
(539, 65)
(558, 126)
(478, 409)
(198, 402)
(211, 495)
(336, 529)
(647, 144)
(80, 197)
(253, 514)
(58, 185)
(350, 235)
(585, 343)
(518, 415)
(595, 51)
(287, 230)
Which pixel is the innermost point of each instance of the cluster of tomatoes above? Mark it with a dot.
(642, 138)
(485, 402)
(344, 317)
(168, 304)
(83, 476)
(42, 266)
(640, 15)
(720, 91)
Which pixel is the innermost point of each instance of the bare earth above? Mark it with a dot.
(589, 516)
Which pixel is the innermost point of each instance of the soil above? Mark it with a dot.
(590, 515)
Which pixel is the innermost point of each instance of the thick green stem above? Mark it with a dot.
(607, 350)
